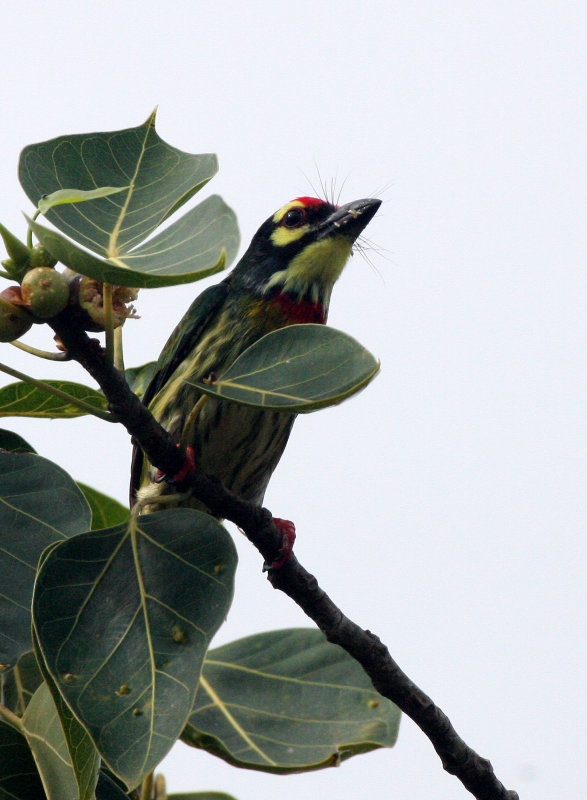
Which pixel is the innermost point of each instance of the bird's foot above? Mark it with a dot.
(288, 534)
(189, 465)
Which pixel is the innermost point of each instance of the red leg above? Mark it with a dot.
(189, 465)
(288, 534)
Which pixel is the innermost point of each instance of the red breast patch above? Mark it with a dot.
(299, 311)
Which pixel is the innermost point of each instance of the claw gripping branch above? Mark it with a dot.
(189, 466)
(288, 534)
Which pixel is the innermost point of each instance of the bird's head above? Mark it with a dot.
(302, 249)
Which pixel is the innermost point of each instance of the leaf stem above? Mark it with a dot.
(118, 352)
(108, 323)
(12, 718)
(41, 353)
(46, 387)
(29, 235)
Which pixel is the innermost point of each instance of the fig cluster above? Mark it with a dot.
(44, 292)
(86, 299)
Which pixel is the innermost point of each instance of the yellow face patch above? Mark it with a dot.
(315, 270)
(283, 236)
(321, 261)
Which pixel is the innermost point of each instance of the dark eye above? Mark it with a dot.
(294, 217)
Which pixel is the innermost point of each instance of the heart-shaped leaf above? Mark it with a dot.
(299, 368)
(199, 244)
(124, 617)
(44, 731)
(23, 399)
(39, 504)
(19, 779)
(159, 180)
(106, 511)
(155, 180)
(287, 701)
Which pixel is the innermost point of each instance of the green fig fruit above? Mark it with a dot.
(39, 256)
(45, 292)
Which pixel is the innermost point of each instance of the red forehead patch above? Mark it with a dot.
(310, 201)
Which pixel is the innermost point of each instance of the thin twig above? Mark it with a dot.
(107, 416)
(29, 233)
(108, 323)
(118, 350)
(34, 351)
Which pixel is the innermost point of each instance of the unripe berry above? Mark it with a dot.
(41, 257)
(45, 292)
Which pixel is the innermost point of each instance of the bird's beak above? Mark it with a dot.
(349, 220)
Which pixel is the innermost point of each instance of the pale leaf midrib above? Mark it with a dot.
(113, 248)
(232, 721)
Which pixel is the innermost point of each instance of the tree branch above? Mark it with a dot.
(474, 771)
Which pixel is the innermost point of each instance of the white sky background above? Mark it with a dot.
(441, 508)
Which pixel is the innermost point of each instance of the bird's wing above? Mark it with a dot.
(178, 346)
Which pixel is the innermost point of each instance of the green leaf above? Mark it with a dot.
(62, 196)
(83, 757)
(287, 701)
(158, 179)
(22, 399)
(19, 779)
(106, 511)
(39, 504)
(138, 378)
(46, 737)
(13, 442)
(21, 682)
(17, 250)
(299, 368)
(124, 618)
(199, 244)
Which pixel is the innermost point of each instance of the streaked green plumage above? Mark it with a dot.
(285, 277)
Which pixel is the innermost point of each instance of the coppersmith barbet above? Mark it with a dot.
(284, 278)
